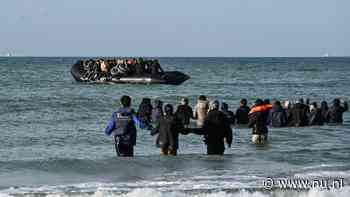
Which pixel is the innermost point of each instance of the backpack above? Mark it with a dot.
(123, 122)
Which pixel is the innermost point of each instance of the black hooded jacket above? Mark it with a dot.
(230, 116)
(169, 127)
(242, 115)
(216, 128)
(184, 113)
(315, 117)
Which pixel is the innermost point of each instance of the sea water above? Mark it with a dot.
(52, 140)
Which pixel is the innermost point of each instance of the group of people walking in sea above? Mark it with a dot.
(106, 69)
(213, 121)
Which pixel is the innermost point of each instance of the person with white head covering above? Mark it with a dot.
(201, 110)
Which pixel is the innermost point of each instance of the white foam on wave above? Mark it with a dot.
(344, 192)
(340, 174)
(242, 193)
(4, 195)
(322, 166)
(197, 186)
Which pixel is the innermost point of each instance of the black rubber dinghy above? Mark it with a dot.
(169, 77)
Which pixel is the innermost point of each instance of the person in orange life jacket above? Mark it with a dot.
(261, 106)
(257, 121)
(122, 126)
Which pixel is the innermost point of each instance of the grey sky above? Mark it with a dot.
(175, 28)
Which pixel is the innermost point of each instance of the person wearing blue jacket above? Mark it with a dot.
(122, 126)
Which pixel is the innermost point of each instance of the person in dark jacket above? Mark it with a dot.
(216, 128)
(336, 111)
(315, 115)
(325, 111)
(266, 103)
(184, 112)
(140, 69)
(169, 127)
(297, 115)
(229, 114)
(277, 115)
(303, 105)
(242, 112)
(144, 112)
(257, 121)
(155, 68)
(123, 128)
(157, 111)
(131, 64)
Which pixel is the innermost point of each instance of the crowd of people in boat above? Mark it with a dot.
(214, 121)
(107, 69)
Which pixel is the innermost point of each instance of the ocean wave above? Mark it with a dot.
(178, 184)
(242, 193)
(102, 191)
(321, 173)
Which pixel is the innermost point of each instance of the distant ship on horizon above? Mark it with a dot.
(6, 54)
(326, 55)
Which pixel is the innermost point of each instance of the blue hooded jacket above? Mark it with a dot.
(112, 124)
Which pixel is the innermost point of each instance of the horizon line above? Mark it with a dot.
(107, 56)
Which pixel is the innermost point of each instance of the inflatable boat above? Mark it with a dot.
(168, 77)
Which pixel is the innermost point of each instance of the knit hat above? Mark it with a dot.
(258, 101)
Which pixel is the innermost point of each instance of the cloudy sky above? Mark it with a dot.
(175, 28)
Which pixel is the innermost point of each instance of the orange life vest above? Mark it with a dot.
(260, 108)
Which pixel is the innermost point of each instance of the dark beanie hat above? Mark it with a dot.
(259, 101)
